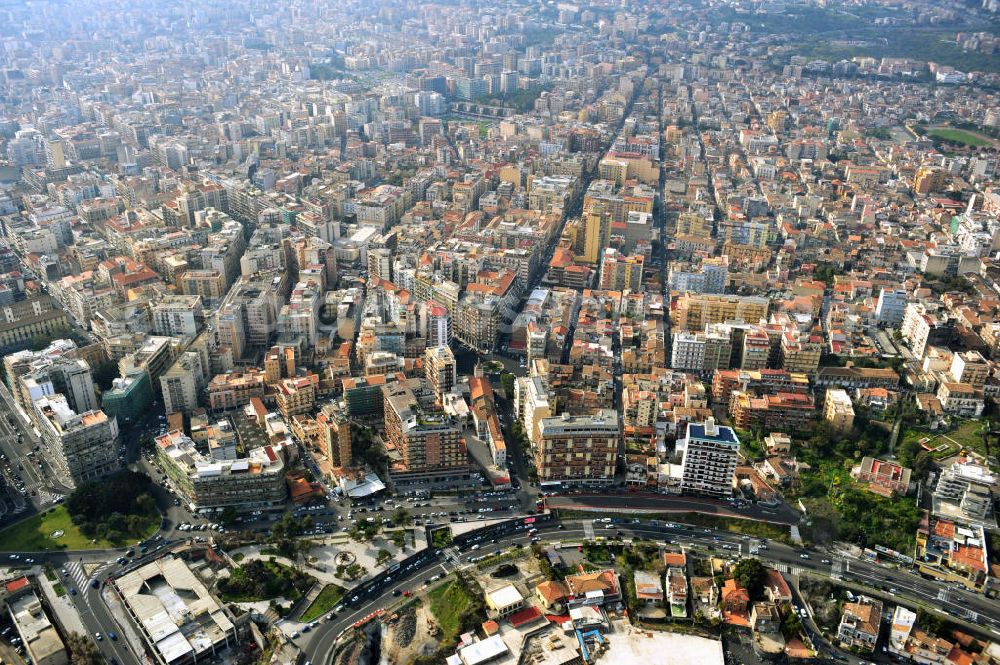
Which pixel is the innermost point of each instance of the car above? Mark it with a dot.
(95, 583)
(72, 591)
(803, 556)
(295, 634)
(826, 561)
(112, 636)
(397, 592)
(98, 637)
(306, 628)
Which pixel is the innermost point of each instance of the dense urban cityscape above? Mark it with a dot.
(516, 333)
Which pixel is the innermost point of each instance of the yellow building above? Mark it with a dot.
(695, 311)
(928, 179)
(593, 234)
(838, 410)
(799, 352)
(693, 224)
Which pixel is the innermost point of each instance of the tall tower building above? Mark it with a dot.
(438, 326)
(440, 370)
(710, 455)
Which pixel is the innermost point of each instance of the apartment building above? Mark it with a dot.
(531, 404)
(234, 389)
(620, 272)
(961, 399)
(800, 352)
(860, 623)
(80, 447)
(838, 410)
(710, 455)
(440, 370)
(695, 311)
(217, 481)
(970, 367)
(179, 316)
(578, 450)
(296, 395)
(427, 440)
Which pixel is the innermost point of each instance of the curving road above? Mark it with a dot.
(973, 610)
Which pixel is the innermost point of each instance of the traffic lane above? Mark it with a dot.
(782, 553)
(664, 504)
(321, 641)
(95, 619)
(320, 644)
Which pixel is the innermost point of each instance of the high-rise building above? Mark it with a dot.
(701, 352)
(595, 229)
(710, 455)
(438, 326)
(578, 450)
(440, 370)
(178, 316)
(428, 440)
(891, 306)
(180, 389)
(619, 272)
(929, 179)
(335, 436)
(80, 447)
(838, 410)
(695, 311)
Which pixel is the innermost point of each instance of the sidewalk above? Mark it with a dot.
(65, 611)
(126, 629)
(321, 562)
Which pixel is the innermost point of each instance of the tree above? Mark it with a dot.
(228, 515)
(401, 517)
(82, 650)
(791, 625)
(507, 381)
(931, 623)
(40, 341)
(383, 556)
(750, 573)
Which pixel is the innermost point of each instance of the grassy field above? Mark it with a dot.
(950, 443)
(325, 601)
(35, 534)
(958, 136)
(448, 603)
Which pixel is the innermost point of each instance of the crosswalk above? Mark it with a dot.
(77, 576)
(838, 570)
(588, 529)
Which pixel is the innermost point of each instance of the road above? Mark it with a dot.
(649, 503)
(41, 485)
(320, 643)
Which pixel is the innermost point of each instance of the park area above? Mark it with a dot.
(52, 530)
(325, 601)
(959, 136)
(942, 445)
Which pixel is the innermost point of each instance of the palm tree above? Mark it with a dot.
(83, 650)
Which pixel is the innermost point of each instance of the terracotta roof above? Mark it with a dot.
(553, 591)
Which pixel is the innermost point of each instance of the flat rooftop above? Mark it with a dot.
(629, 646)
